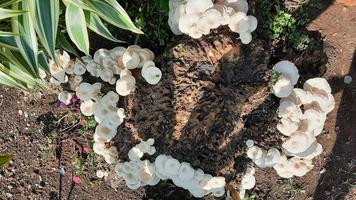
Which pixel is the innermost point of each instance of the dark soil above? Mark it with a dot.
(214, 95)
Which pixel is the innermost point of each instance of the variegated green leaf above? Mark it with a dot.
(8, 42)
(26, 41)
(6, 34)
(112, 12)
(45, 15)
(7, 13)
(63, 43)
(42, 61)
(95, 24)
(9, 81)
(76, 27)
(79, 3)
(6, 3)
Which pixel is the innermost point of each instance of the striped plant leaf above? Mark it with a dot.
(45, 15)
(42, 61)
(5, 3)
(63, 43)
(8, 42)
(5, 79)
(79, 3)
(112, 12)
(76, 27)
(6, 34)
(7, 13)
(26, 41)
(95, 24)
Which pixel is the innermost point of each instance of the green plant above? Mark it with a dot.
(5, 159)
(21, 55)
(282, 24)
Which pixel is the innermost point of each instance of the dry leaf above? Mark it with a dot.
(234, 194)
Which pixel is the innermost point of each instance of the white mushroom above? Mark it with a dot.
(131, 59)
(198, 7)
(86, 108)
(99, 147)
(298, 142)
(110, 155)
(135, 154)
(239, 22)
(65, 97)
(212, 18)
(153, 75)
(106, 133)
(283, 87)
(79, 68)
(171, 166)
(288, 109)
(288, 69)
(186, 172)
(100, 55)
(245, 37)
(272, 158)
(78, 79)
(287, 126)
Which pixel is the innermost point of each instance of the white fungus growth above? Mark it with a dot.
(303, 114)
(288, 77)
(65, 97)
(138, 173)
(58, 72)
(198, 17)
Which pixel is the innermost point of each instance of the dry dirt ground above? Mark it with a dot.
(213, 95)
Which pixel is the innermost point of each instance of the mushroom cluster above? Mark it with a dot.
(303, 114)
(137, 172)
(197, 17)
(58, 68)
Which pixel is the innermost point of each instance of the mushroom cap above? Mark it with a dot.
(317, 86)
(65, 97)
(79, 68)
(198, 7)
(289, 69)
(125, 85)
(171, 166)
(212, 18)
(238, 5)
(131, 59)
(99, 147)
(283, 169)
(186, 172)
(313, 151)
(199, 175)
(147, 173)
(248, 182)
(117, 52)
(254, 153)
(287, 126)
(86, 108)
(249, 143)
(288, 109)
(300, 167)
(213, 183)
(111, 97)
(106, 75)
(110, 155)
(312, 121)
(253, 23)
(153, 75)
(159, 164)
(188, 22)
(144, 56)
(325, 103)
(219, 192)
(299, 97)
(198, 193)
(239, 22)
(78, 79)
(146, 65)
(100, 54)
(101, 174)
(84, 91)
(283, 87)
(272, 158)
(298, 142)
(104, 132)
(225, 12)
(245, 37)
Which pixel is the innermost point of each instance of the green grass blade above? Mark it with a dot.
(76, 27)
(5, 159)
(95, 24)
(26, 41)
(112, 12)
(45, 15)
(7, 13)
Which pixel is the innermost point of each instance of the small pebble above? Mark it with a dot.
(347, 79)
(322, 171)
(20, 112)
(62, 171)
